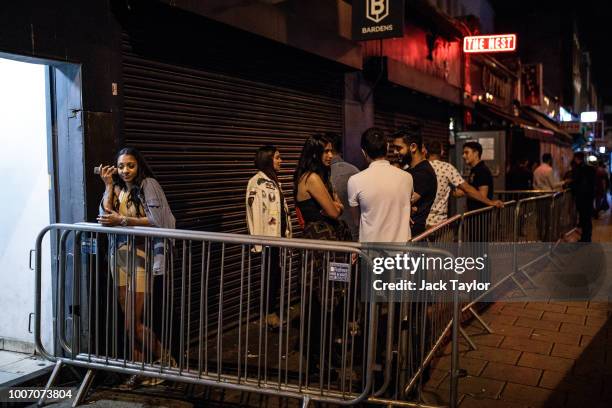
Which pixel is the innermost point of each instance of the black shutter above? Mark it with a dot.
(199, 120)
(433, 130)
(396, 107)
(199, 131)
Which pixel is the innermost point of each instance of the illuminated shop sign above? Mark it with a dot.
(489, 43)
(377, 19)
(586, 117)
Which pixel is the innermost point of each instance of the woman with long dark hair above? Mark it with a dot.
(268, 214)
(314, 194)
(319, 207)
(134, 198)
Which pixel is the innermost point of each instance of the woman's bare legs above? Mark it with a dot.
(141, 331)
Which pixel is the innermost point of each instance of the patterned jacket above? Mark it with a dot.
(263, 207)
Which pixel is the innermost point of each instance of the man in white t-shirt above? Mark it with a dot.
(448, 177)
(379, 196)
(544, 175)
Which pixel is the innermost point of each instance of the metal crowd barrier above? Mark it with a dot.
(332, 347)
(115, 314)
(553, 226)
(563, 215)
(515, 195)
(540, 216)
(447, 231)
(411, 330)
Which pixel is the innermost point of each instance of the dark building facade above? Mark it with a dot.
(555, 43)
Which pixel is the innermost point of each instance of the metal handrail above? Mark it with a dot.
(435, 228)
(524, 191)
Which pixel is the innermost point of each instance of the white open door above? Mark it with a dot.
(25, 201)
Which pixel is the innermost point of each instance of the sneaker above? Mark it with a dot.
(152, 381)
(273, 321)
(132, 382)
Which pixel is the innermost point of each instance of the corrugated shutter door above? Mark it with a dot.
(199, 129)
(433, 130)
(395, 107)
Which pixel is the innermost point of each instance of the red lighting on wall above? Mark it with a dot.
(489, 43)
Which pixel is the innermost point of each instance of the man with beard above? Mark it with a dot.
(408, 144)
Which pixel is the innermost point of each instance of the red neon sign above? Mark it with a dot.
(489, 43)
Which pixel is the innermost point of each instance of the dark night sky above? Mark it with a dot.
(595, 29)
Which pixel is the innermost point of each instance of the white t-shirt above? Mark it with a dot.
(447, 176)
(383, 194)
(544, 178)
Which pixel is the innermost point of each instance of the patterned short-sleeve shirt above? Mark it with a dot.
(447, 176)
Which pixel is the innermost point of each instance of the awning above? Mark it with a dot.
(496, 116)
(532, 127)
(561, 135)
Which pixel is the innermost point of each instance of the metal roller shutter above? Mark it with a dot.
(198, 127)
(432, 130)
(199, 131)
(396, 106)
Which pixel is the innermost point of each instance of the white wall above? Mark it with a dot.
(25, 196)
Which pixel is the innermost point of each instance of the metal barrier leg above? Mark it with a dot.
(529, 278)
(305, 401)
(389, 350)
(519, 285)
(82, 391)
(467, 338)
(54, 373)
(454, 380)
(480, 320)
(554, 262)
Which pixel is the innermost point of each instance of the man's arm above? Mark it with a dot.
(480, 194)
(484, 190)
(353, 200)
(355, 214)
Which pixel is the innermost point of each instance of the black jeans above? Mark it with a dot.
(584, 206)
(272, 279)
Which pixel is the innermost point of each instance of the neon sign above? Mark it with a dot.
(489, 43)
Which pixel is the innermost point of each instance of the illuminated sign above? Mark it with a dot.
(588, 116)
(564, 115)
(532, 91)
(489, 43)
(377, 19)
(571, 127)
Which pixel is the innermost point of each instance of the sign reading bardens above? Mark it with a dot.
(489, 43)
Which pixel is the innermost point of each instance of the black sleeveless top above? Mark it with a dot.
(311, 210)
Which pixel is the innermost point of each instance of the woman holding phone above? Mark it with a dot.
(134, 198)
